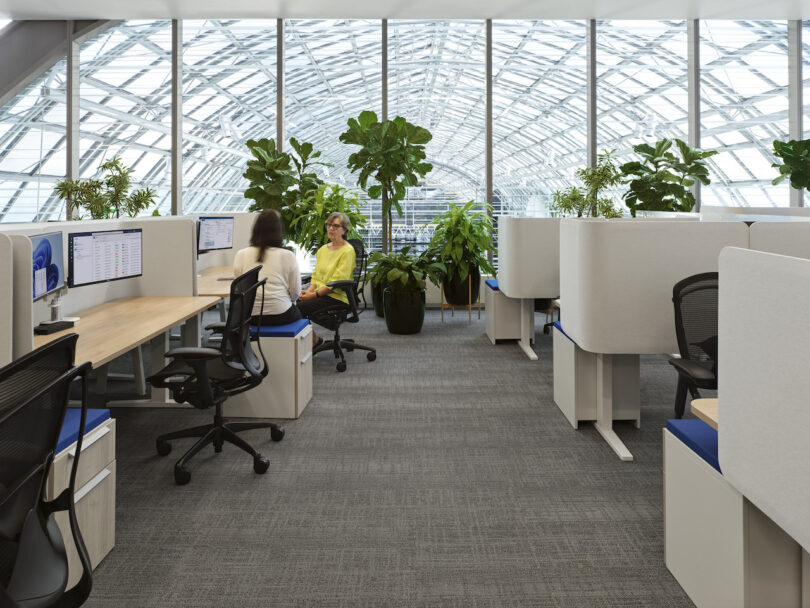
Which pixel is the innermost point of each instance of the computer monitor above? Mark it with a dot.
(214, 233)
(96, 257)
(49, 267)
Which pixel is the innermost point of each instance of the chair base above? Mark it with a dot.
(217, 433)
(338, 345)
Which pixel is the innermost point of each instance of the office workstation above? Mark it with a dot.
(445, 472)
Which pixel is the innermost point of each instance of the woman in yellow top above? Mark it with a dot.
(333, 262)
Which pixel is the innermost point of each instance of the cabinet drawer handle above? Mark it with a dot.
(88, 487)
(90, 440)
(306, 358)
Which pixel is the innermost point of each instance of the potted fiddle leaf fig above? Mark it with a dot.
(105, 197)
(587, 200)
(401, 276)
(795, 155)
(392, 153)
(282, 181)
(461, 240)
(661, 180)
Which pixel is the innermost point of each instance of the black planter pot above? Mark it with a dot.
(456, 291)
(377, 299)
(404, 311)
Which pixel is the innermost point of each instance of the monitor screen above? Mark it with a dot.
(215, 233)
(49, 268)
(95, 257)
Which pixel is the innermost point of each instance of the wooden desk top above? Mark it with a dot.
(208, 283)
(706, 410)
(111, 329)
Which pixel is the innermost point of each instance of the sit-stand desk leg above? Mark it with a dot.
(527, 327)
(101, 379)
(604, 406)
(157, 349)
(137, 365)
(223, 315)
(191, 331)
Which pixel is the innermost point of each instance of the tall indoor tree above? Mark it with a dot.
(392, 152)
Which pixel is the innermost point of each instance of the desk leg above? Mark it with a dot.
(604, 406)
(527, 327)
(191, 331)
(157, 349)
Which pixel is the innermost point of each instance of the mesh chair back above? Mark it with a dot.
(236, 348)
(34, 393)
(695, 300)
(360, 269)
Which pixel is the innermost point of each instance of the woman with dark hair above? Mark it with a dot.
(279, 267)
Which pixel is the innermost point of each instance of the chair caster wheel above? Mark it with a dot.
(163, 447)
(341, 366)
(371, 356)
(181, 476)
(261, 464)
(277, 434)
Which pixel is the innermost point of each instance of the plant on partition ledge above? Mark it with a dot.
(661, 180)
(391, 152)
(401, 278)
(574, 202)
(796, 157)
(282, 181)
(461, 240)
(311, 213)
(106, 197)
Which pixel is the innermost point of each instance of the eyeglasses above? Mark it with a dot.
(335, 226)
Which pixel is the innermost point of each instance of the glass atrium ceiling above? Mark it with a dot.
(436, 78)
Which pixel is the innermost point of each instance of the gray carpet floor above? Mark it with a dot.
(442, 474)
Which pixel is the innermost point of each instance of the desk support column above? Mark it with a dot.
(604, 406)
(527, 327)
(157, 350)
(191, 332)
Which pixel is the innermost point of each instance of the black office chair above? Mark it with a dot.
(695, 300)
(360, 271)
(334, 316)
(206, 377)
(34, 392)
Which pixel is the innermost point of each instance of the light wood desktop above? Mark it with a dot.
(706, 410)
(215, 281)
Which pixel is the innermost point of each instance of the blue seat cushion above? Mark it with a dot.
(493, 284)
(699, 436)
(558, 325)
(290, 330)
(70, 428)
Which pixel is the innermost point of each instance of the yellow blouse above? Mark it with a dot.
(333, 265)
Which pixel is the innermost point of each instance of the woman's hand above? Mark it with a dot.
(306, 295)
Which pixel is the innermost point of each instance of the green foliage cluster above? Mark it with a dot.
(402, 271)
(310, 214)
(661, 180)
(586, 200)
(461, 241)
(106, 197)
(391, 152)
(283, 181)
(796, 157)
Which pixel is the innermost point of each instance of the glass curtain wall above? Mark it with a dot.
(743, 108)
(32, 149)
(539, 112)
(229, 96)
(125, 104)
(641, 86)
(437, 80)
(332, 72)
(805, 58)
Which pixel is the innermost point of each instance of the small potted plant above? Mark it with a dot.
(661, 180)
(796, 157)
(460, 242)
(401, 277)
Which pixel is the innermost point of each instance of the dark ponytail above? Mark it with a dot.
(267, 232)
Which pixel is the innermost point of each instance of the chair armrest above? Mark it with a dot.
(217, 327)
(692, 369)
(193, 353)
(341, 284)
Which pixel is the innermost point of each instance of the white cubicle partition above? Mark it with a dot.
(763, 389)
(616, 280)
(528, 266)
(782, 237)
(168, 268)
(6, 296)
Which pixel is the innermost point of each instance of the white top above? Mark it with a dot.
(280, 268)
